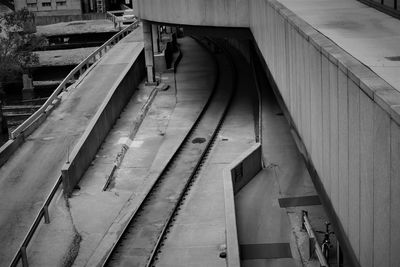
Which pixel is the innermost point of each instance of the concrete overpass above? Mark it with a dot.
(334, 69)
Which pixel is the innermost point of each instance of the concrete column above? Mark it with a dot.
(174, 29)
(148, 52)
(27, 90)
(156, 39)
(3, 122)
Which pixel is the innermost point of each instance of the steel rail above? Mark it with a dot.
(203, 157)
(164, 171)
(80, 69)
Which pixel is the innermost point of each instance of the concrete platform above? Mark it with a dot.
(160, 136)
(72, 219)
(94, 217)
(268, 208)
(198, 234)
(367, 34)
(28, 176)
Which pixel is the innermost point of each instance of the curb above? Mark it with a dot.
(126, 145)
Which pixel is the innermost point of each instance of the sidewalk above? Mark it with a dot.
(28, 176)
(95, 217)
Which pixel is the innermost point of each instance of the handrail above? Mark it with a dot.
(21, 254)
(310, 231)
(80, 69)
(110, 15)
(43, 213)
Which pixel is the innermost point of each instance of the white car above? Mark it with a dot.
(128, 17)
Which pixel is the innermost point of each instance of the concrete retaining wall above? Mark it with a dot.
(97, 130)
(243, 169)
(348, 120)
(8, 149)
(56, 18)
(346, 117)
(235, 176)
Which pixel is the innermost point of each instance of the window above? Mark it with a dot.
(61, 3)
(47, 4)
(32, 5)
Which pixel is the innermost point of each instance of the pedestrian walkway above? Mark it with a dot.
(369, 35)
(28, 176)
(93, 219)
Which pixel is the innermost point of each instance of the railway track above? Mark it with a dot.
(143, 237)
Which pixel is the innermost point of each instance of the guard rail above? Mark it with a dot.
(21, 254)
(77, 72)
(43, 214)
(112, 16)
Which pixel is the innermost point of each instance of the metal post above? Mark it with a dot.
(24, 257)
(46, 214)
(3, 122)
(67, 154)
(154, 32)
(303, 213)
(148, 52)
(338, 254)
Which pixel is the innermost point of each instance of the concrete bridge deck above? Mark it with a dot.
(335, 65)
(346, 116)
(28, 176)
(369, 35)
(199, 232)
(96, 216)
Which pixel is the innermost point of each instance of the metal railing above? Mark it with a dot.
(310, 231)
(21, 254)
(72, 76)
(115, 17)
(43, 213)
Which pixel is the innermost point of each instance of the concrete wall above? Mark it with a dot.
(51, 7)
(7, 149)
(230, 13)
(104, 119)
(243, 169)
(235, 176)
(45, 20)
(348, 119)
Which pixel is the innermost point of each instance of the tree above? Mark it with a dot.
(17, 43)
